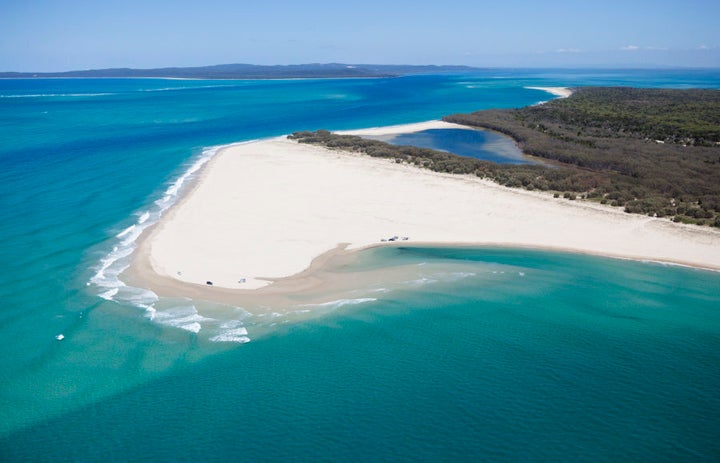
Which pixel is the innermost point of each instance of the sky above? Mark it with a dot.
(60, 35)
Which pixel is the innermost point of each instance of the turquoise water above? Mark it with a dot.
(478, 144)
(495, 355)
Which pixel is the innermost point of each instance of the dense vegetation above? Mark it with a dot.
(685, 117)
(654, 152)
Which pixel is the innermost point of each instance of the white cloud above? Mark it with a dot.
(630, 48)
(568, 50)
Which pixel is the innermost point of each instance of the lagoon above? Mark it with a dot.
(479, 144)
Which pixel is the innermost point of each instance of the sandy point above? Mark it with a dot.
(562, 92)
(264, 211)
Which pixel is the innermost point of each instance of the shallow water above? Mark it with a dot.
(490, 354)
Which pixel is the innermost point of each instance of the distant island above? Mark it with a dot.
(249, 71)
(651, 151)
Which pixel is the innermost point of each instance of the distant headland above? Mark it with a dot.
(250, 71)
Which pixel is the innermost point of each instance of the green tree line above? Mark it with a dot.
(653, 152)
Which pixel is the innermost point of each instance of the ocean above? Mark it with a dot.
(480, 354)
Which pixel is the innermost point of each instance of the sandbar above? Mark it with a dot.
(262, 212)
(562, 92)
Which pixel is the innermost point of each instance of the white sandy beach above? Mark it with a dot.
(402, 128)
(266, 209)
(562, 92)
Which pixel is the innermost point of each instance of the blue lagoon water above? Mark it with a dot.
(470, 355)
(479, 144)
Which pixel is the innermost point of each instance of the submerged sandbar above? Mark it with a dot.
(265, 210)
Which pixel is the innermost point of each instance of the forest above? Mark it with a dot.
(649, 151)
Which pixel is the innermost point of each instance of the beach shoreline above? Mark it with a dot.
(561, 92)
(404, 128)
(268, 221)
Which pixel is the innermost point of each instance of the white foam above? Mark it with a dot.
(163, 201)
(227, 337)
(138, 297)
(231, 324)
(143, 217)
(196, 317)
(110, 266)
(126, 231)
(270, 315)
(194, 327)
(178, 315)
(108, 295)
(233, 331)
(129, 238)
(183, 317)
(106, 280)
(341, 302)
(238, 331)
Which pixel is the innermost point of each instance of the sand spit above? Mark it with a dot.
(264, 211)
(562, 92)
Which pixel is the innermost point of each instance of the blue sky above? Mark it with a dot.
(54, 35)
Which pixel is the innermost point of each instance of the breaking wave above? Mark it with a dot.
(332, 305)
(106, 278)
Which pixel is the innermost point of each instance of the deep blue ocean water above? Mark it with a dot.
(479, 355)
